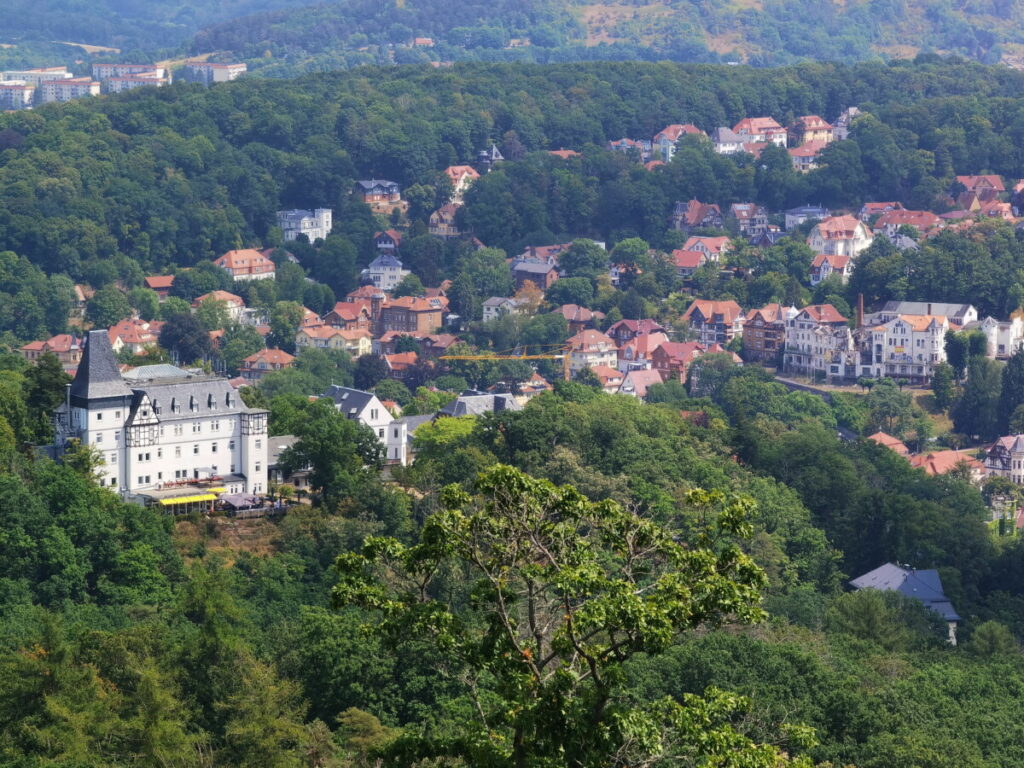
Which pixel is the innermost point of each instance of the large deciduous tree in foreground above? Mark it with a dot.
(559, 592)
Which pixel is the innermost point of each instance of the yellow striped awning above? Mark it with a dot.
(216, 490)
(188, 499)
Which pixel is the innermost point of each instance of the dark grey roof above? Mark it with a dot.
(349, 401)
(808, 210)
(277, 445)
(925, 586)
(98, 376)
(385, 260)
(412, 423)
(925, 308)
(371, 183)
(533, 266)
(475, 405)
(151, 372)
(190, 397)
(727, 136)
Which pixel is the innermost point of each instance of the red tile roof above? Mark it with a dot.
(729, 310)
(890, 442)
(823, 313)
(941, 462)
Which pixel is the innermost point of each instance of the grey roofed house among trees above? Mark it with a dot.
(472, 403)
(924, 586)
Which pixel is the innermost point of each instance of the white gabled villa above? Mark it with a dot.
(167, 436)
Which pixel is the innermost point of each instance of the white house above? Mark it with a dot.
(385, 271)
(590, 349)
(906, 347)
(496, 306)
(315, 225)
(368, 410)
(167, 436)
(1004, 336)
(819, 343)
(840, 236)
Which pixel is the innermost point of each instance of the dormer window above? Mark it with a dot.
(210, 403)
(192, 404)
(175, 405)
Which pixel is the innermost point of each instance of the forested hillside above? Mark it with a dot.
(281, 37)
(762, 33)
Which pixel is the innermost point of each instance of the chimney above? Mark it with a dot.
(929, 309)
(860, 310)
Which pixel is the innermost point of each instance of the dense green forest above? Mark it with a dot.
(285, 37)
(348, 32)
(132, 639)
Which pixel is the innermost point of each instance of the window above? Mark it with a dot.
(195, 449)
(257, 466)
(113, 481)
(113, 458)
(177, 451)
(380, 433)
(232, 469)
(99, 417)
(117, 414)
(117, 435)
(178, 429)
(213, 448)
(231, 445)
(159, 475)
(259, 444)
(99, 437)
(373, 414)
(215, 425)
(159, 453)
(197, 426)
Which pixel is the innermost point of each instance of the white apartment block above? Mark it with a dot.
(66, 90)
(131, 82)
(906, 347)
(369, 411)
(208, 73)
(16, 95)
(168, 437)
(107, 71)
(315, 225)
(36, 77)
(1004, 337)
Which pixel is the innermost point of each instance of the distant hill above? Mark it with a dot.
(760, 32)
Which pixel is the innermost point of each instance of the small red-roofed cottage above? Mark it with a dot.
(672, 359)
(627, 330)
(461, 177)
(349, 316)
(255, 367)
(246, 264)
(809, 128)
(66, 347)
(695, 215)
(825, 265)
(160, 283)
(761, 130)
(870, 210)
(233, 304)
(589, 349)
(664, 143)
(805, 157)
(388, 240)
(892, 443)
(579, 318)
(610, 378)
(636, 383)
(924, 222)
(713, 248)
(688, 262)
(638, 352)
(943, 462)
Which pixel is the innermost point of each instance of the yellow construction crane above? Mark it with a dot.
(563, 353)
